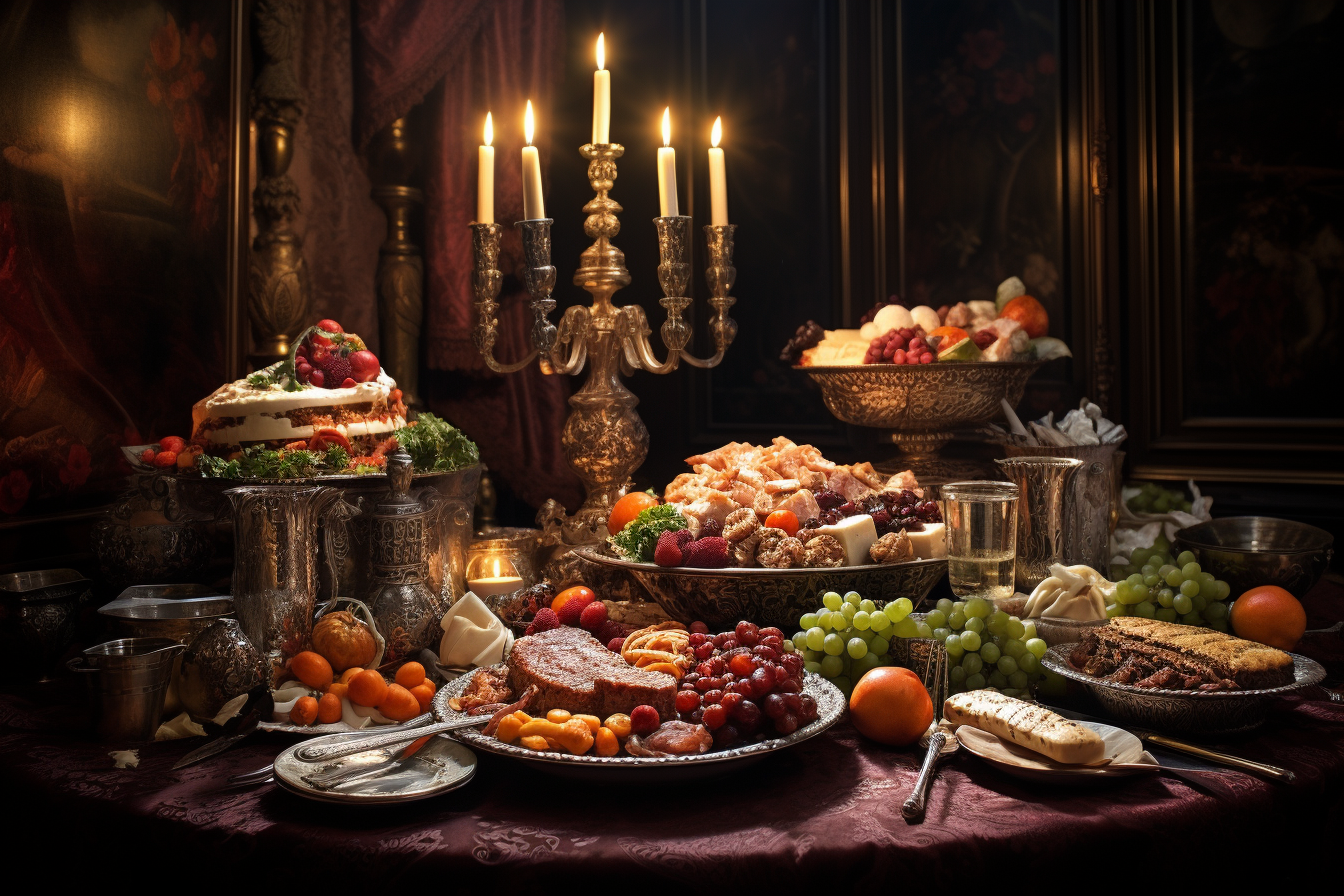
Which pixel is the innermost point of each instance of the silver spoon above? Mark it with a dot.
(939, 741)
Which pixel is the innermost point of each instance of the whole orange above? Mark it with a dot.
(304, 711)
(329, 709)
(626, 509)
(891, 706)
(399, 704)
(311, 668)
(577, 591)
(1030, 314)
(368, 688)
(1270, 615)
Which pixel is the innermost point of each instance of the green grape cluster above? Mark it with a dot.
(1153, 498)
(1156, 586)
(847, 636)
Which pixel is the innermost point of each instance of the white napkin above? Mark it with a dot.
(472, 635)
(180, 726)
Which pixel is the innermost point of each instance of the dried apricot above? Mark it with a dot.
(619, 724)
(424, 692)
(410, 675)
(399, 705)
(304, 711)
(605, 742)
(558, 716)
(311, 669)
(329, 709)
(593, 722)
(368, 688)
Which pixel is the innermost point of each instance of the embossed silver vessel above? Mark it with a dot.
(1042, 484)
(406, 612)
(275, 579)
(219, 664)
(1090, 512)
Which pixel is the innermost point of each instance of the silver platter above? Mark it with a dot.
(632, 769)
(438, 767)
(1193, 712)
(722, 597)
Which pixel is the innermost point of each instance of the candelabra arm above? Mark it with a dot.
(572, 334)
(720, 276)
(486, 279)
(639, 352)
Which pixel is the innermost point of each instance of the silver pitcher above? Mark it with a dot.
(219, 664)
(1091, 507)
(405, 610)
(1042, 483)
(275, 549)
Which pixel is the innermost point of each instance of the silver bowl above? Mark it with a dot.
(1249, 551)
(919, 405)
(151, 554)
(179, 619)
(721, 598)
(38, 614)
(1192, 712)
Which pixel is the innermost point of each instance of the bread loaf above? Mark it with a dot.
(1027, 725)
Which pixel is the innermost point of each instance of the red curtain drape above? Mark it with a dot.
(462, 59)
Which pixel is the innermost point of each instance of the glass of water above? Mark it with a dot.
(981, 522)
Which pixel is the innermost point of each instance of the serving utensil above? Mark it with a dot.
(939, 741)
(315, 752)
(266, 772)
(260, 705)
(339, 776)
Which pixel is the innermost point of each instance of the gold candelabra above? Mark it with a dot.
(604, 439)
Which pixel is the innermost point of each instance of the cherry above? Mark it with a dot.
(773, 704)
(730, 700)
(704, 651)
(713, 697)
(688, 701)
(714, 717)
(317, 378)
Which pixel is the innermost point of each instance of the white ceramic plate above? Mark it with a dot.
(1125, 752)
(439, 766)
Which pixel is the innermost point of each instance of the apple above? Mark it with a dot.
(364, 366)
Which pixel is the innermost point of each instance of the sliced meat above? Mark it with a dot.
(573, 671)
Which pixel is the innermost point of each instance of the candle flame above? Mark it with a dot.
(496, 567)
(489, 129)
(667, 126)
(716, 133)
(601, 52)
(529, 123)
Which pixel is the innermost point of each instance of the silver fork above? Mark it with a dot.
(265, 773)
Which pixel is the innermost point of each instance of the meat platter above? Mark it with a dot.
(830, 707)
(1193, 711)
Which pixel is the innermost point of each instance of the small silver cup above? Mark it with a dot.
(1042, 483)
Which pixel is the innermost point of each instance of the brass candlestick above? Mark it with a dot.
(604, 439)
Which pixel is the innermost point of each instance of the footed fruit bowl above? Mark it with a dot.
(721, 597)
(919, 405)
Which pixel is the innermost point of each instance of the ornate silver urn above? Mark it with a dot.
(405, 610)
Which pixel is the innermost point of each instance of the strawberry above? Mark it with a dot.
(572, 608)
(172, 443)
(593, 616)
(347, 383)
(147, 456)
(330, 326)
(165, 459)
(317, 377)
(546, 620)
(668, 552)
(611, 629)
(708, 553)
(364, 366)
(684, 537)
(336, 370)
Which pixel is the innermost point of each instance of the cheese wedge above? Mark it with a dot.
(856, 535)
(931, 543)
(1026, 725)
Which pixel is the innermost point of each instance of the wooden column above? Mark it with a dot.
(401, 272)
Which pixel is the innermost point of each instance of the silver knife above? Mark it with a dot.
(260, 703)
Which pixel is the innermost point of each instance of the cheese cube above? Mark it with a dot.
(930, 543)
(856, 535)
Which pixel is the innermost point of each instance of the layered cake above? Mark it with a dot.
(330, 382)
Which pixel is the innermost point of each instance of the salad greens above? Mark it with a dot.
(436, 446)
(640, 536)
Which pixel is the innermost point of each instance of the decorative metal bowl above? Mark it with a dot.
(1247, 551)
(919, 405)
(181, 619)
(38, 614)
(721, 598)
(1192, 712)
(154, 554)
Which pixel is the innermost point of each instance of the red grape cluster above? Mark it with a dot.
(891, 511)
(903, 346)
(746, 687)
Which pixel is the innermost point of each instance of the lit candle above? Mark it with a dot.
(534, 206)
(718, 187)
(601, 96)
(667, 170)
(495, 584)
(485, 178)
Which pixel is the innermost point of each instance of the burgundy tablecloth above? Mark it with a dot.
(822, 813)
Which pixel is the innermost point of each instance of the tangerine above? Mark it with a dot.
(304, 711)
(891, 706)
(339, 689)
(329, 708)
(1270, 615)
(1030, 314)
(349, 674)
(311, 669)
(368, 688)
(626, 509)
(424, 692)
(410, 675)
(950, 336)
(399, 704)
(783, 519)
(578, 591)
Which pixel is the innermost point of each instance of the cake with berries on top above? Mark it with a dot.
(330, 381)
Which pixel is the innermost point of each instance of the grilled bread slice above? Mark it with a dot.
(1027, 725)
(1248, 663)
